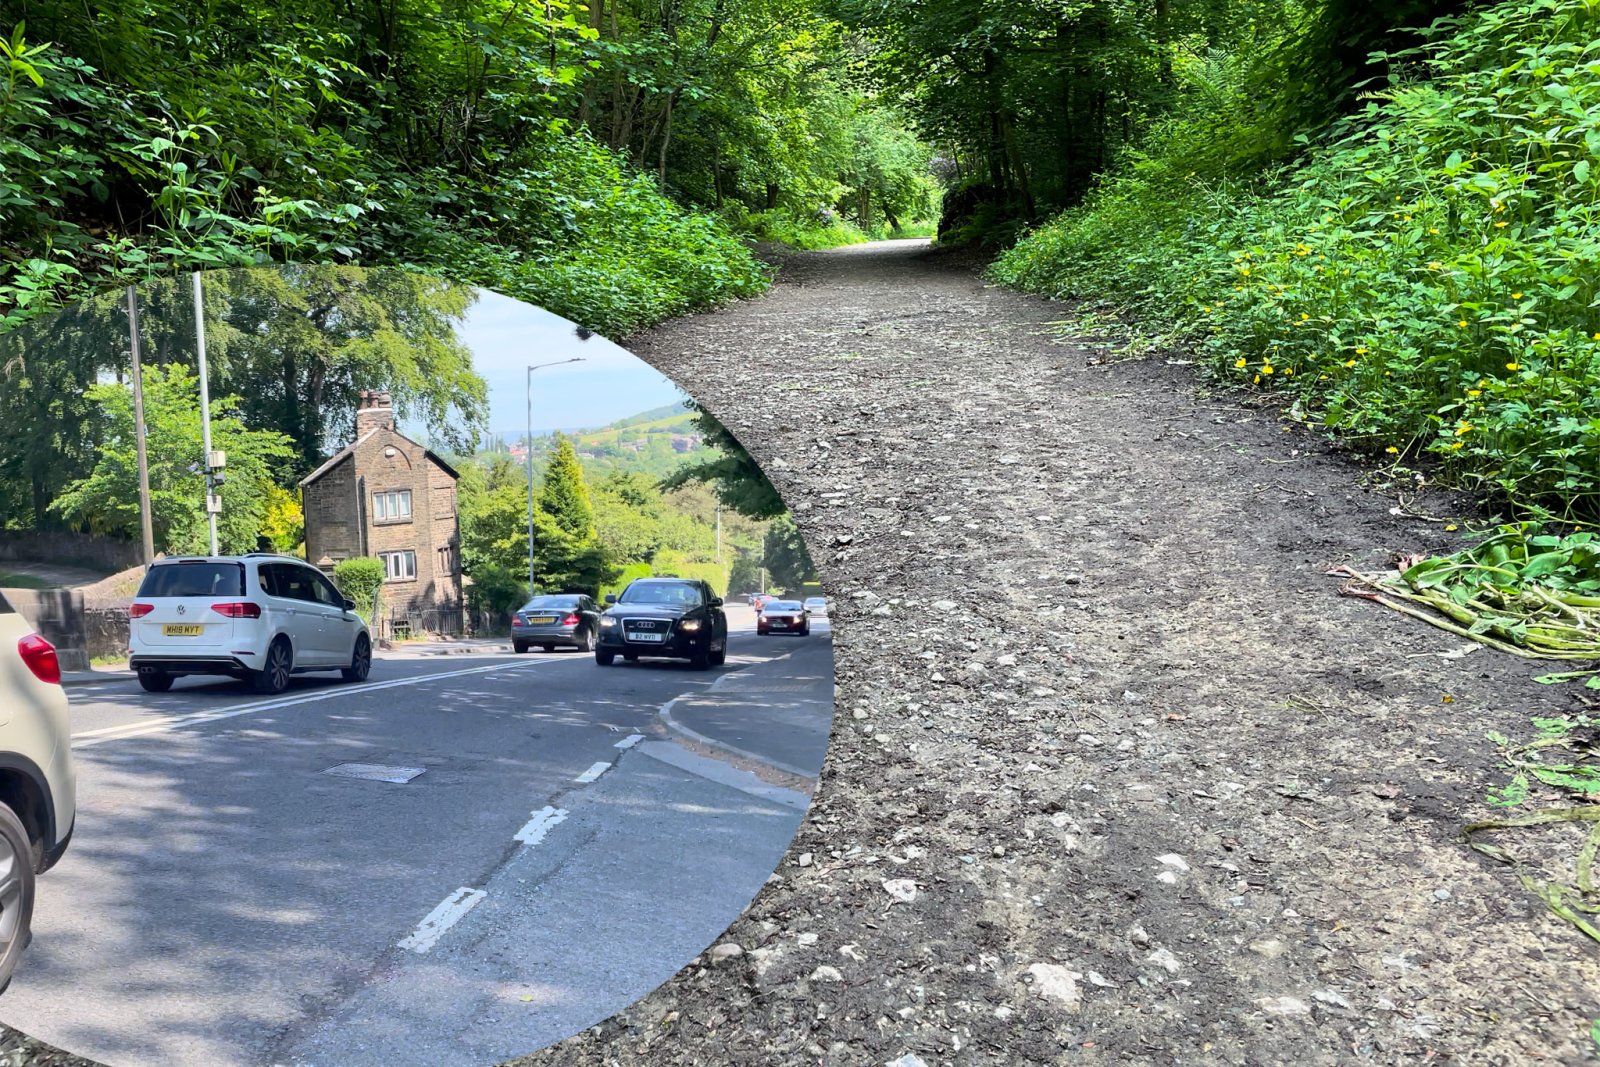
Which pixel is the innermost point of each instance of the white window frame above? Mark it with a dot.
(391, 505)
(400, 566)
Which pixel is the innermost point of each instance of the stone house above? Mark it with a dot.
(386, 496)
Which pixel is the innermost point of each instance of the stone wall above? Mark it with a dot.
(58, 616)
(83, 550)
(332, 515)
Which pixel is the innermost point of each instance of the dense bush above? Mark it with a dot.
(104, 181)
(1423, 280)
(361, 580)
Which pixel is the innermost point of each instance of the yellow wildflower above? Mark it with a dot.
(1434, 264)
(1458, 444)
(1361, 350)
(1501, 225)
(1349, 363)
(1393, 451)
(1513, 366)
(1516, 296)
(1288, 371)
(1240, 362)
(1463, 428)
(1463, 324)
(1434, 230)
(1474, 393)
(1266, 368)
(1258, 379)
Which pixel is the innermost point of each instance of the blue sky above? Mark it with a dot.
(506, 335)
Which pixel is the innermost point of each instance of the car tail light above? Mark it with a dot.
(40, 656)
(139, 611)
(240, 609)
(570, 620)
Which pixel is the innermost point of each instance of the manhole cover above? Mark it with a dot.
(373, 772)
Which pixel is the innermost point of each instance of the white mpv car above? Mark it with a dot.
(37, 783)
(258, 617)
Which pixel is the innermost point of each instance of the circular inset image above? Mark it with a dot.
(393, 673)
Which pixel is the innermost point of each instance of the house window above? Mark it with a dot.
(393, 506)
(399, 566)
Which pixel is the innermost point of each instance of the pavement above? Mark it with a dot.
(457, 862)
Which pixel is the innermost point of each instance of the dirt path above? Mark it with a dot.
(1098, 699)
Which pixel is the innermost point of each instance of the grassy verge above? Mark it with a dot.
(23, 581)
(1417, 283)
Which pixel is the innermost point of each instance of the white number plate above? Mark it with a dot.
(646, 637)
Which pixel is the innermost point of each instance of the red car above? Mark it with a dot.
(783, 617)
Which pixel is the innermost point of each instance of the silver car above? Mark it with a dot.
(37, 782)
(567, 620)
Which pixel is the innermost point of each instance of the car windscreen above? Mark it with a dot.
(661, 593)
(199, 579)
(550, 602)
(782, 605)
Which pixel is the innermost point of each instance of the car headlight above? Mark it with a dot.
(689, 625)
(607, 622)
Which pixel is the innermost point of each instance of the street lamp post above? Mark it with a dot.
(528, 443)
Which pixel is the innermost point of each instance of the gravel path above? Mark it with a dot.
(1163, 796)
(1142, 787)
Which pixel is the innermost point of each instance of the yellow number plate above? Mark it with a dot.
(187, 630)
(541, 618)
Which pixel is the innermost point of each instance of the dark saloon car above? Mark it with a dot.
(783, 617)
(673, 618)
(570, 620)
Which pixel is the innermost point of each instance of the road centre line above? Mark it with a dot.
(629, 741)
(592, 773)
(542, 822)
(447, 914)
(176, 722)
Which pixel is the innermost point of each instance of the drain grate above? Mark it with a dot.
(374, 772)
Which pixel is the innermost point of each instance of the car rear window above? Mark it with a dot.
(5, 606)
(551, 602)
(197, 579)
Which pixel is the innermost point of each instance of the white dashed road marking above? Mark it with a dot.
(442, 918)
(178, 722)
(629, 741)
(535, 829)
(592, 773)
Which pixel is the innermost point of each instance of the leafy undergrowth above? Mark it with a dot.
(807, 234)
(1521, 590)
(1558, 770)
(104, 184)
(1418, 282)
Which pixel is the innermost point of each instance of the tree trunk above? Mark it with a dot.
(666, 139)
(864, 208)
(716, 172)
(1164, 42)
(1020, 167)
(772, 196)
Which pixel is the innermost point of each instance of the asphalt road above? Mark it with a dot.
(559, 848)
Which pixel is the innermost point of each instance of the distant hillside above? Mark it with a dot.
(653, 443)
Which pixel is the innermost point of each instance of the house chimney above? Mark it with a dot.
(376, 412)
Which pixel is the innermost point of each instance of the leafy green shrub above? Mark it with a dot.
(497, 589)
(629, 573)
(1421, 282)
(805, 234)
(559, 221)
(361, 580)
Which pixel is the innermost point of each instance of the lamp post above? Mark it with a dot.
(529, 444)
(213, 501)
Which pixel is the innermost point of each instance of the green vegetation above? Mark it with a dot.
(592, 158)
(361, 580)
(1416, 278)
(22, 581)
(293, 346)
(106, 500)
(1523, 591)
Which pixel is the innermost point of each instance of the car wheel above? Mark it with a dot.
(16, 892)
(519, 647)
(805, 631)
(701, 660)
(548, 648)
(719, 657)
(360, 661)
(273, 677)
(587, 643)
(605, 659)
(631, 657)
(155, 681)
